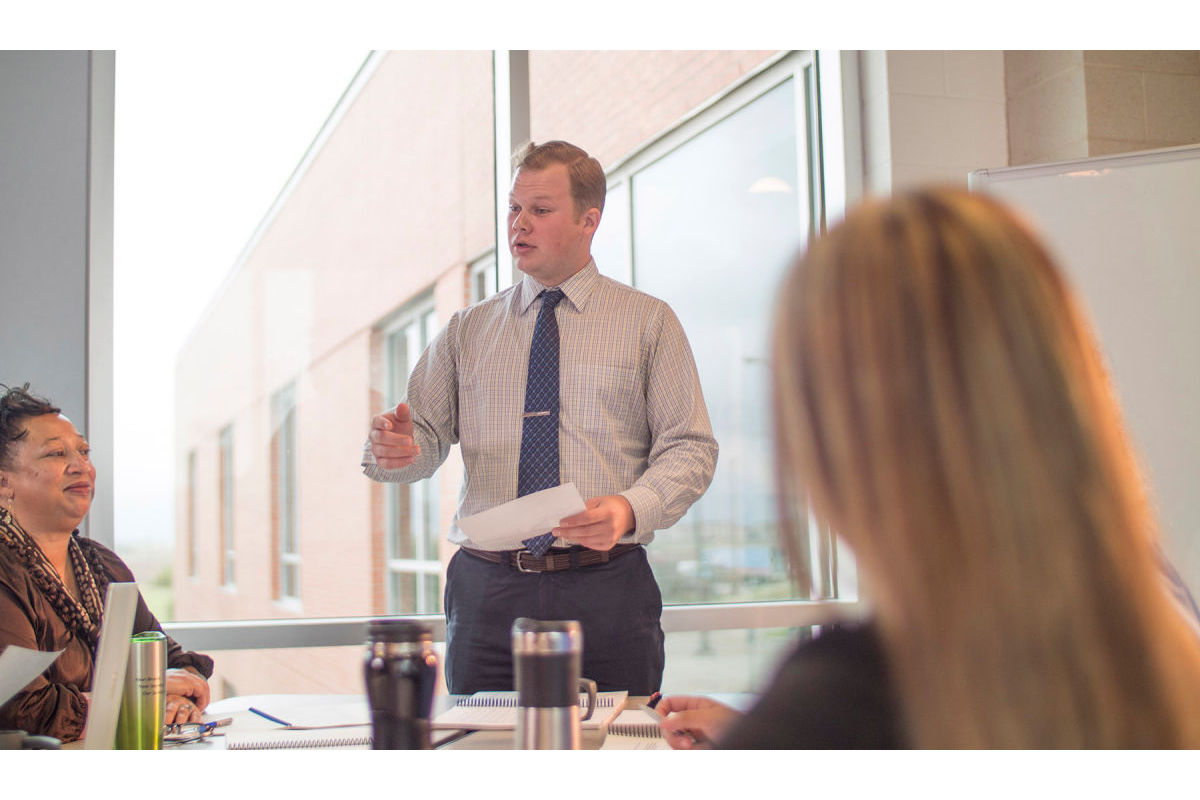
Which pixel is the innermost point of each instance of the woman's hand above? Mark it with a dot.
(187, 696)
(188, 684)
(180, 709)
(691, 722)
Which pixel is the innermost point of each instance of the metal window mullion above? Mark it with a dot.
(510, 130)
(337, 632)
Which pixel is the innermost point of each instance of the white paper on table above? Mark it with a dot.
(351, 711)
(507, 524)
(19, 666)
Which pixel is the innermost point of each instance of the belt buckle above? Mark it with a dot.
(520, 567)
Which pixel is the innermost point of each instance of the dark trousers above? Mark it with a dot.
(618, 605)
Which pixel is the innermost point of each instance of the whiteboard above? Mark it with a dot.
(1126, 230)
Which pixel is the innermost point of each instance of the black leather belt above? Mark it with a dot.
(554, 560)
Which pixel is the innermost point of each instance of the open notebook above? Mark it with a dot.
(497, 711)
(346, 737)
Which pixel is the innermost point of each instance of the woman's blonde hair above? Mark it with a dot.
(942, 404)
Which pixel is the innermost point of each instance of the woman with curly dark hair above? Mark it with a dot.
(53, 581)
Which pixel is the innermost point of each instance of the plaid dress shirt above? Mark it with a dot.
(632, 419)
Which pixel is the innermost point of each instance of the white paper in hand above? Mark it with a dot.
(504, 526)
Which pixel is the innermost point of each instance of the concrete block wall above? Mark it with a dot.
(930, 116)
(1066, 104)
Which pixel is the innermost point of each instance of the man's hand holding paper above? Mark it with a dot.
(504, 526)
(606, 520)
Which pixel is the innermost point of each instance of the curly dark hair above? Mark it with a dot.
(16, 406)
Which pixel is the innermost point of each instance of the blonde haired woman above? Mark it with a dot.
(941, 403)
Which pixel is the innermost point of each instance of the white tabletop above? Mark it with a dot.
(322, 710)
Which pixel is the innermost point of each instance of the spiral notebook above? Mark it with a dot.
(497, 711)
(357, 737)
(346, 737)
(633, 731)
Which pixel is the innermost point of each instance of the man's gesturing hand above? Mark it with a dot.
(606, 520)
(392, 438)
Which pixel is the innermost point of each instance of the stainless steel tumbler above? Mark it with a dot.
(546, 662)
(144, 700)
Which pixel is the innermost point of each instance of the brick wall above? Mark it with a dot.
(613, 102)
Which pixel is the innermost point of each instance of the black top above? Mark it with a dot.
(832, 692)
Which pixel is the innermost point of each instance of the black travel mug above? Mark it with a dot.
(400, 668)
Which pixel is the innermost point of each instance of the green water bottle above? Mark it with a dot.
(143, 703)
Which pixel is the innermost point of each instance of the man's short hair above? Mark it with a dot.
(587, 181)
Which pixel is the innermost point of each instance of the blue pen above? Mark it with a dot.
(265, 715)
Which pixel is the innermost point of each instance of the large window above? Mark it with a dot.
(413, 523)
(708, 220)
(725, 198)
(384, 229)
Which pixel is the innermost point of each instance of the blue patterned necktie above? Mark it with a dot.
(539, 427)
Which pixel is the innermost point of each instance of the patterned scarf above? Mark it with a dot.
(91, 576)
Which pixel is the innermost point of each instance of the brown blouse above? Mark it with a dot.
(53, 704)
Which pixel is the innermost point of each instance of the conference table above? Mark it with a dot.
(340, 711)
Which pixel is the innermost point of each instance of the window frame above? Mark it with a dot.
(271, 634)
(284, 496)
(482, 269)
(225, 494)
(419, 315)
(191, 513)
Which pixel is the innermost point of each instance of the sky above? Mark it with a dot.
(205, 141)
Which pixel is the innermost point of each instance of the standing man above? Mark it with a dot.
(566, 376)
